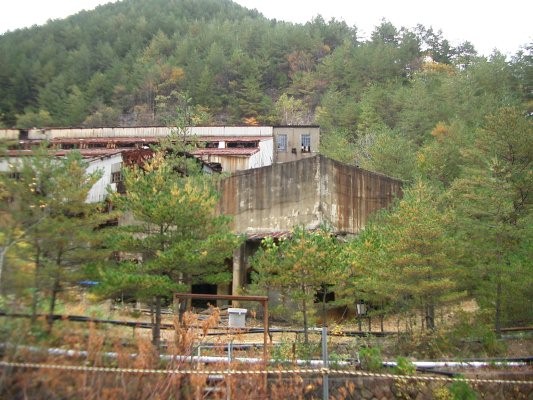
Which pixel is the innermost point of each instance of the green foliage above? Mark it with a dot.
(461, 390)
(298, 267)
(336, 144)
(48, 226)
(404, 261)
(121, 64)
(381, 104)
(404, 367)
(370, 358)
(494, 213)
(173, 237)
(386, 152)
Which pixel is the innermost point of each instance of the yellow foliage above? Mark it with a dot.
(440, 132)
(251, 121)
(438, 68)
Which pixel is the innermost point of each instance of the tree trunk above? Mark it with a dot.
(53, 298)
(324, 313)
(498, 306)
(36, 280)
(3, 251)
(156, 330)
(304, 311)
(430, 316)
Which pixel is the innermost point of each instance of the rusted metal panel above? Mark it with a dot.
(355, 194)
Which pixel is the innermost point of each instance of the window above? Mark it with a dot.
(306, 143)
(116, 173)
(116, 177)
(282, 142)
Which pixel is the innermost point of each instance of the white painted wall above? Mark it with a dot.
(99, 191)
(266, 151)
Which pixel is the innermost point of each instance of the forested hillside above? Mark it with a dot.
(126, 63)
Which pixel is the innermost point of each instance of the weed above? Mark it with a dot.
(404, 367)
(370, 358)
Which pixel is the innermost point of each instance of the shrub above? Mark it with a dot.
(404, 367)
(370, 358)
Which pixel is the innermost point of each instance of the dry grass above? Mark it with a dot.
(213, 381)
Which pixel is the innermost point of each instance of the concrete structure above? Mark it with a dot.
(310, 192)
(234, 148)
(296, 142)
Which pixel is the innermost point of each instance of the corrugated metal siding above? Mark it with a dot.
(154, 131)
(158, 131)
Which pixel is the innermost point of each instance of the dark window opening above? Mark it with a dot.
(211, 145)
(242, 145)
(203, 288)
(116, 177)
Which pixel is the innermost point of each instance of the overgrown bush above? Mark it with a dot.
(370, 358)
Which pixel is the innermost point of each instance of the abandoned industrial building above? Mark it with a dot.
(277, 180)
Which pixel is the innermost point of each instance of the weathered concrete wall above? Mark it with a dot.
(273, 198)
(307, 192)
(350, 194)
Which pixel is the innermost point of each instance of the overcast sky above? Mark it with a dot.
(488, 24)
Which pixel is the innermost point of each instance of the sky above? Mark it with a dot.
(488, 24)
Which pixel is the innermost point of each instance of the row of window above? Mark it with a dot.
(305, 142)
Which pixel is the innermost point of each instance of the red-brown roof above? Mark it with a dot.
(86, 153)
(231, 151)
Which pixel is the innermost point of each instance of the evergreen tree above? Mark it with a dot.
(298, 267)
(171, 236)
(493, 200)
(47, 211)
(420, 254)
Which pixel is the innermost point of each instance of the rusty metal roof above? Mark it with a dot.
(152, 139)
(232, 151)
(232, 138)
(85, 153)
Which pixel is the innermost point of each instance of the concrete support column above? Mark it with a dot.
(239, 270)
(223, 289)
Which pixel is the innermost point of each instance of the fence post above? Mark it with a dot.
(325, 359)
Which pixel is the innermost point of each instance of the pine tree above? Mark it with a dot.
(298, 267)
(48, 212)
(493, 201)
(420, 256)
(171, 236)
